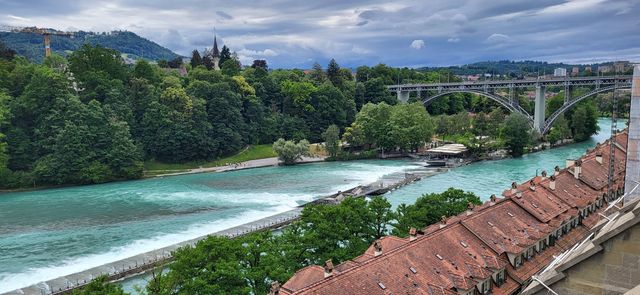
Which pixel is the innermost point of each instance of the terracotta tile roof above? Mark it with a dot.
(595, 174)
(571, 190)
(388, 243)
(453, 259)
(458, 254)
(506, 227)
(304, 277)
(507, 287)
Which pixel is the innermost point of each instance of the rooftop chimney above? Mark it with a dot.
(532, 185)
(413, 234)
(556, 170)
(599, 158)
(275, 288)
(469, 208)
(577, 169)
(552, 183)
(514, 187)
(544, 174)
(443, 221)
(493, 199)
(378, 249)
(328, 268)
(570, 162)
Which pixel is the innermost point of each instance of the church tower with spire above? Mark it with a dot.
(215, 53)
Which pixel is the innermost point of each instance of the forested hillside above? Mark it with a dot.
(91, 118)
(32, 47)
(513, 68)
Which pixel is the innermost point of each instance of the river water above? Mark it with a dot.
(49, 233)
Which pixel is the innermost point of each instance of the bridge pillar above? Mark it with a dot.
(633, 146)
(403, 96)
(538, 115)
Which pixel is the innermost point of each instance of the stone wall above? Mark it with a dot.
(614, 270)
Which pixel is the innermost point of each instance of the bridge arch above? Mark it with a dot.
(549, 122)
(497, 98)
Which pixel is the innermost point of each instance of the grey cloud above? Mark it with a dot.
(223, 15)
(290, 32)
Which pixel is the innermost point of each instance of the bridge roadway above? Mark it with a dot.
(487, 89)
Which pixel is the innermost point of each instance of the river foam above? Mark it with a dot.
(12, 281)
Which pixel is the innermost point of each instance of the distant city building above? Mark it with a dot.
(587, 69)
(621, 66)
(575, 71)
(473, 78)
(604, 68)
(560, 72)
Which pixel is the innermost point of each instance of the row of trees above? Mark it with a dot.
(248, 265)
(91, 118)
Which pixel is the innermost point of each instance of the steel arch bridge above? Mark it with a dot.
(486, 88)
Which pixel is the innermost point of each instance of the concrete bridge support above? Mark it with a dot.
(403, 96)
(538, 115)
(632, 176)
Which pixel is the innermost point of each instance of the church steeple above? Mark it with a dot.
(215, 54)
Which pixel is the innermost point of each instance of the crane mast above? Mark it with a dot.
(46, 34)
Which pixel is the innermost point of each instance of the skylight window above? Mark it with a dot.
(464, 244)
(413, 270)
(439, 257)
(381, 285)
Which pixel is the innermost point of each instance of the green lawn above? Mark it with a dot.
(251, 153)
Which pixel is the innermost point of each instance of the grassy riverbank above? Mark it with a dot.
(253, 152)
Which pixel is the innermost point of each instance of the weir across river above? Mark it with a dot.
(147, 261)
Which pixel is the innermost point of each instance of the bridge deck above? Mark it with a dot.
(526, 83)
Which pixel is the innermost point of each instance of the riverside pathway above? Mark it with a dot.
(266, 162)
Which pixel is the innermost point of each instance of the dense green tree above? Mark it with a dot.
(196, 59)
(175, 63)
(333, 73)
(144, 70)
(225, 54)
(517, 134)
(211, 267)
(331, 138)
(231, 67)
(430, 208)
(317, 74)
(376, 91)
(411, 126)
(100, 286)
(289, 151)
(95, 68)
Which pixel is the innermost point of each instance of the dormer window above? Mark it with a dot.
(517, 261)
(499, 278)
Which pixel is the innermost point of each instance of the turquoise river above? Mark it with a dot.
(49, 233)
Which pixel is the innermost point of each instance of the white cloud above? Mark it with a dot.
(18, 18)
(453, 40)
(417, 44)
(267, 52)
(497, 38)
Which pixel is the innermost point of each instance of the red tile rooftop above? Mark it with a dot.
(458, 253)
(453, 259)
(538, 201)
(570, 190)
(506, 227)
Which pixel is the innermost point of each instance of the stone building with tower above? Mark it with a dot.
(213, 54)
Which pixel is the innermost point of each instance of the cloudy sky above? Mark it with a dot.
(296, 33)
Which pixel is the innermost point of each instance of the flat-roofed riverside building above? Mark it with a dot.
(496, 248)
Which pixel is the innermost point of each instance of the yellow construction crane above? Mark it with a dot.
(46, 33)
